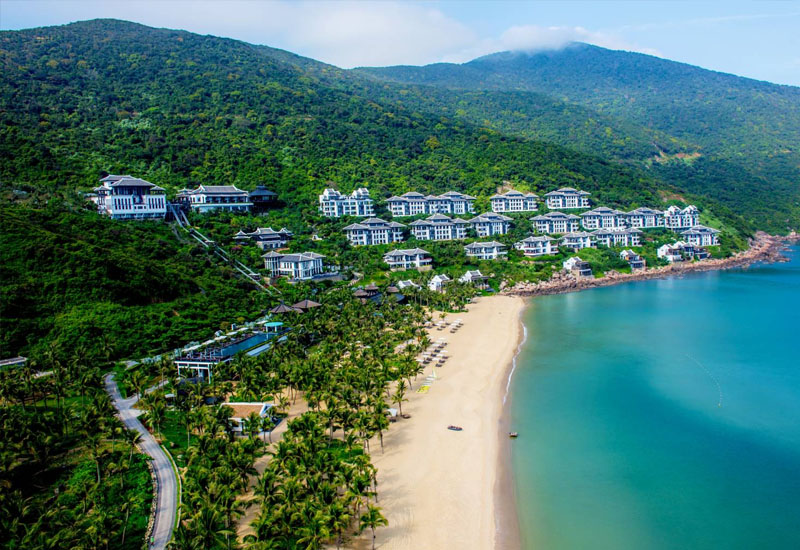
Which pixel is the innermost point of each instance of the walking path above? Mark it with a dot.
(166, 482)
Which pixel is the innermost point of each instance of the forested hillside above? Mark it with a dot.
(740, 137)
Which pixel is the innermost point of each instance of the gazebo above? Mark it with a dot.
(283, 308)
(305, 305)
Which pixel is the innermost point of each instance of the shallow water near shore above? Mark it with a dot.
(662, 414)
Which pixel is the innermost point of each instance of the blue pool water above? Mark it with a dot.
(662, 414)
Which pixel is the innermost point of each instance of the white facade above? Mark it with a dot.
(556, 222)
(700, 235)
(411, 258)
(515, 201)
(439, 228)
(633, 259)
(408, 285)
(474, 277)
(566, 198)
(578, 267)
(437, 282)
(333, 204)
(129, 198)
(207, 198)
(489, 224)
(578, 240)
(675, 218)
(618, 236)
(374, 231)
(603, 217)
(536, 246)
(266, 237)
(300, 267)
(413, 204)
(491, 250)
(645, 218)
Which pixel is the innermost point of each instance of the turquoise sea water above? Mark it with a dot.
(662, 414)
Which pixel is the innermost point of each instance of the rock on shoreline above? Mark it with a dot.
(763, 248)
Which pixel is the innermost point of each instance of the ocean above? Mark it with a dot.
(662, 414)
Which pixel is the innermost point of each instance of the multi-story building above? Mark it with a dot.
(700, 235)
(603, 217)
(438, 282)
(129, 198)
(577, 267)
(266, 237)
(536, 246)
(262, 198)
(439, 228)
(577, 240)
(489, 224)
(491, 250)
(474, 277)
(515, 201)
(618, 236)
(675, 218)
(207, 198)
(566, 198)
(413, 204)
(645, 218)
(297, 267)
(556, 222)
(634, 260)
(333, 204)
(374, 231)
(411, 258)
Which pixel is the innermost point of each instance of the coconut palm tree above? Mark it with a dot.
(372, 519)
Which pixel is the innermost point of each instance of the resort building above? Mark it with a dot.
(700, 235)
(333, 204)
(207, 198)
(199, 361)
(577, 240)
(515, 201)
(438, 282)
(297, 267)
(675, 218)
(566, 198)
(603, 217)
(262, 198)
(556, 222)
(474, 277)
(241, 415)
(129, 198)
(374, 231)
(489, 224)
(536, 246)
(634, 260)
(414, 204)
(408, 285)
(577, 267)
(491, 250)
(439, 228)
(671, 252)
(618, 236)
(265, 237)
(645, 218)
(411, 258)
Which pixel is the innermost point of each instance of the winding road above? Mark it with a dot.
(166, 482)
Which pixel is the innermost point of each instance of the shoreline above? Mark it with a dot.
(763, 248)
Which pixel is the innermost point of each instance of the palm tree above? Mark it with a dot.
(372, 518)
(399, 395)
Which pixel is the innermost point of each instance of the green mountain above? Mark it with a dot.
(720, 135)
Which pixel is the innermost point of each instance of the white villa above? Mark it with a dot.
(491, 250)
(675, 218)
(675, 252)
(566, 198)
(413, 204)
(129, 198)
(536, 246)
(297, 267)
(556, 222)
(439, 228)
(374, 231)
(437, 283)
(578, 240)
(215, 197)
(633, 259)
(333, 204)
(242, 412)
(411, 258)
(618, 236)
(515, 201)
(645, 218)
(266, 237)
(474, 277)
(407, 284)
(700, 235)
(603, 217)
(489, 224)
(577, 267)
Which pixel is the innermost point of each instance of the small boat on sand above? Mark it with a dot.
(455, 428)
(513, 435)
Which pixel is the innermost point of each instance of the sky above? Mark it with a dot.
(757, 39)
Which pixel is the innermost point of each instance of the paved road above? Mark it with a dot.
(167, 484)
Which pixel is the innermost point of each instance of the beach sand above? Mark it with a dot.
(439, 488)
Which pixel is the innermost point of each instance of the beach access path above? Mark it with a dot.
(166, 482)
(437, 487)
